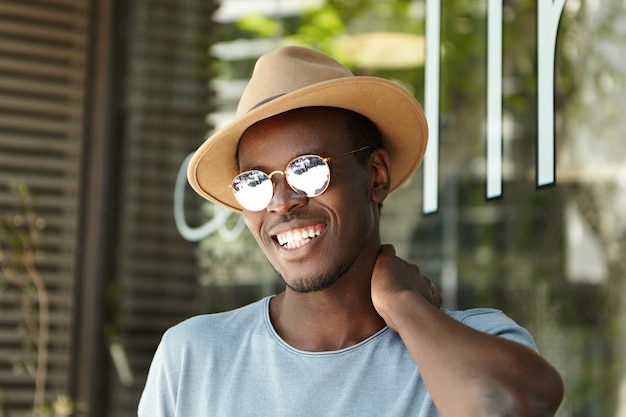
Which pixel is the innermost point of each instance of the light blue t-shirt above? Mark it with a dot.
(235, 364)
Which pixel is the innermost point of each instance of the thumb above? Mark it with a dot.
(387, 249)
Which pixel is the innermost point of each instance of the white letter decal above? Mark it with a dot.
(431, 107)
(548, 16)
(494, 99)
(216, 224)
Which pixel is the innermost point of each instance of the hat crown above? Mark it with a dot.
(285, 70)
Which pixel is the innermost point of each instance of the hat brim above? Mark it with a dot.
(395, 112)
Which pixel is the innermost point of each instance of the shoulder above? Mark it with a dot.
(480, 317)
(495, 322)
(200, 328)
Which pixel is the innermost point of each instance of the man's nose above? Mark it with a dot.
(285, 198)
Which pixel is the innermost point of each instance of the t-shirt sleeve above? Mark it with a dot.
(494, 322)
(159, 395)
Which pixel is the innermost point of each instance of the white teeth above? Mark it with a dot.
(296, 239)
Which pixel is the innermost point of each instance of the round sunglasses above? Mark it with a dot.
(308, 175)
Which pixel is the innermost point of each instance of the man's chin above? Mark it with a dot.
(310, 285)
(316, 283)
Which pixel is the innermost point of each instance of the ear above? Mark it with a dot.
(380, 175)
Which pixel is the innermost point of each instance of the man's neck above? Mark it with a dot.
(326, 320)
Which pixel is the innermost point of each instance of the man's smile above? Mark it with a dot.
(296, 238)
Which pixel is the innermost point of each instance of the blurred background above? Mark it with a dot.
(103, 246)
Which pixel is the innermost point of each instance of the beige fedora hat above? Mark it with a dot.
(295, 77)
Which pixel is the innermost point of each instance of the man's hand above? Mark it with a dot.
(394, 277)
(467, 372)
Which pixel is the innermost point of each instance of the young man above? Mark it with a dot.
(311, 156)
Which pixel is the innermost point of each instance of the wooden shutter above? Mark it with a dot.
(43, 61)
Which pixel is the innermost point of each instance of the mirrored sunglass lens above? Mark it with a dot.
(253, 190)
(308, 175)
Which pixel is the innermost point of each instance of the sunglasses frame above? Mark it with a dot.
(269, 176)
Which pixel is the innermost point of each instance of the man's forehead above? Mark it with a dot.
(311, 129)
(320, 117)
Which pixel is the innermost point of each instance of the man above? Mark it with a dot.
(310, 158)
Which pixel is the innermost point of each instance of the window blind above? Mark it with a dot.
(43, 60)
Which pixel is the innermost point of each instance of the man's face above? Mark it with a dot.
(311, 242)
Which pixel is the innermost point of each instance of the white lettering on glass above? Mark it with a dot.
(216, 224)
(548, 16)
(494, 99)
(431, 107)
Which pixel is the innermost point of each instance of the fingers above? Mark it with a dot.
(387, 249)
(397, 267)
(437, 297)
(390, 250)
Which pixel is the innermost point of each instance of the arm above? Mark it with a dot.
(467, 372)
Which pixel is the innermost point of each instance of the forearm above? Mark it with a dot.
(470, 373)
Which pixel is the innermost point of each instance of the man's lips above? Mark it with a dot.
(296, 238)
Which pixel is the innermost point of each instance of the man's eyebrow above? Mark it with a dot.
(254, 168)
